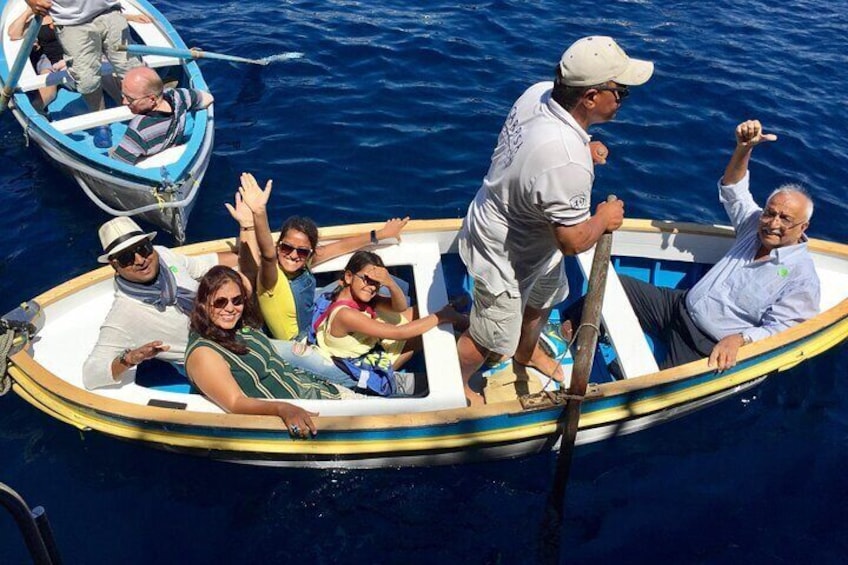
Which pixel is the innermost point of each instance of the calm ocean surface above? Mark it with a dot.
(393, 110)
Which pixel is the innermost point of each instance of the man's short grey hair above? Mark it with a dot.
(790, 188)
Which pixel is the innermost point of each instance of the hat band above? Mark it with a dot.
(120, 240)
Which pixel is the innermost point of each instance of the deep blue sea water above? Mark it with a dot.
(395, 109)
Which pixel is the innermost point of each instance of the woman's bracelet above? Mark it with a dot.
(248, 228)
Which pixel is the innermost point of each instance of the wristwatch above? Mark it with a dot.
(123, 359)
(374, 240)
(746, 339)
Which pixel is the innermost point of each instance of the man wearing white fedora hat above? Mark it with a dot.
(154, 293)
(534, 204)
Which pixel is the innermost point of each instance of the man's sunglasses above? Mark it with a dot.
(127, 257)
(302, 252)
(620, 92)
(221, 302)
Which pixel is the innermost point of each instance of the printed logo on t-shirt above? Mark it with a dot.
(511, 138)
(579, 201)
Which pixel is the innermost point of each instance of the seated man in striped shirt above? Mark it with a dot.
(160, 114)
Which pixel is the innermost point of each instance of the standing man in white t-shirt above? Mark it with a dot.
(534, 205)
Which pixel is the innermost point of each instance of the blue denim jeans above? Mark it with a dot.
(311, 360)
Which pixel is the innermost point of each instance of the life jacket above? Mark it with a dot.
(373, 372)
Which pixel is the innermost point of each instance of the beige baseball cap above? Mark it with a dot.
(598, 59)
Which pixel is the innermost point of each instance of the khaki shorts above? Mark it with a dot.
(550, 289)
(86, 44)
(495, 320)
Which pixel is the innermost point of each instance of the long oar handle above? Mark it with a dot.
(186, 54)
(587, 340)
(18, 66)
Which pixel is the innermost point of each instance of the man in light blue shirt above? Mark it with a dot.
(764, 284)
(767, 281)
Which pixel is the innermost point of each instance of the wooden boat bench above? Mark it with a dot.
(34, 82)
(634, 354)
(92, 120)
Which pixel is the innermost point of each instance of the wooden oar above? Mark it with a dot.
(587, 340)
(18, 66)
(187, 54)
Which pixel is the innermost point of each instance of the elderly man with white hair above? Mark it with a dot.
(764, 284)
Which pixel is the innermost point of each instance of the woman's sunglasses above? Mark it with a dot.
(221, 302)
(127, 257)
(302, 252)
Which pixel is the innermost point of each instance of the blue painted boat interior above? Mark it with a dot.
(69, 104)
(671, 274)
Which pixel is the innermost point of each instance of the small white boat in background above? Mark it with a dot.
(161, 189)
(437, 428)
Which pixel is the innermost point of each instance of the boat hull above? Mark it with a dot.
(423, 436)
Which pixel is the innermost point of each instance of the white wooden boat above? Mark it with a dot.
(437, 428)
(161, 189)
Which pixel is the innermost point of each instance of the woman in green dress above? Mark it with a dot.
(234, 364)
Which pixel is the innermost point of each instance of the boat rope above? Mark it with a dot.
(585, 325)
(10, 329)
(560, 358)
(159, 200)
(5, 346)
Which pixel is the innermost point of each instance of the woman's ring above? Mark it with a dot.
(294, 428)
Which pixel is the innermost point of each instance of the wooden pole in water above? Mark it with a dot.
(587, 340)
(18, 66)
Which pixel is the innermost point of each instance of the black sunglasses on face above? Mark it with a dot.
(368, 281)
(127, 257)
(302, 252)
(222, 301)
(620, 92)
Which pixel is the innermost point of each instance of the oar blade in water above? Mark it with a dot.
(287, 56)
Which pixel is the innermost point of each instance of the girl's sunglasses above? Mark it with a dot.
(368, 281)
(302, 252)
(221, 302)
(127, 257)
